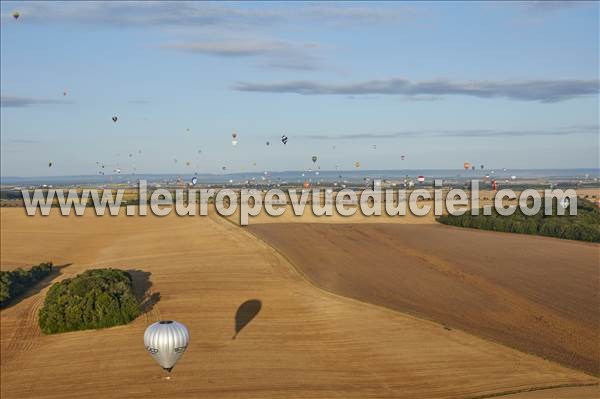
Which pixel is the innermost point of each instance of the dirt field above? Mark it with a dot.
(535, 294)
(304, 343)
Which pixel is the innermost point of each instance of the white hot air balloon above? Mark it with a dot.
(166, 341)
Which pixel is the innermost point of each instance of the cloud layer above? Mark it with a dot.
(272, 53)
(20, 102)
(177, 14)
(486, 133)
(546, 91)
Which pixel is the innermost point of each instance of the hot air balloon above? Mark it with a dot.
(467, 165)
(49, 164)
(234, 139)
(306, 184)
(402, 157)
(421, 179)
(374, 146)
(481, 166)
(166, 341)
(16, 15)
(187, 163)
(314, 159)
(224, 167)
(114, 119)
(284, 139)
(268, 144)
(357, 164)
(130, 155)
(64, 93)
(194, 180)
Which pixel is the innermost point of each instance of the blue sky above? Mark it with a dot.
(511, 84)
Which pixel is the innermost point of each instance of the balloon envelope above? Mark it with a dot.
(166, 341)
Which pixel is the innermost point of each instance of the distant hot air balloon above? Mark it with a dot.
(374, 146)
(306, 184)
(268, 144)
(467, 165)
(482, 166)
(284, 139)
(314, 159)
(224, 167)
(234, 139)
(49, 164)
(194, 180)
(421, 179)
(166, 341)
(402, 157)
(114, 119)
(64, 93)
(16, 15)
(187, 163)
(357, 164)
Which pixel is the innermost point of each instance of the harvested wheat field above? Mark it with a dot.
(304, 343)
(535, 294)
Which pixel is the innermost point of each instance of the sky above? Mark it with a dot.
(507, 84)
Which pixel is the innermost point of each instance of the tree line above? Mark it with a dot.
(15, 282)
(97, 298)
(585, 226)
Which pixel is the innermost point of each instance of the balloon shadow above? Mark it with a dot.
(245, 313)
